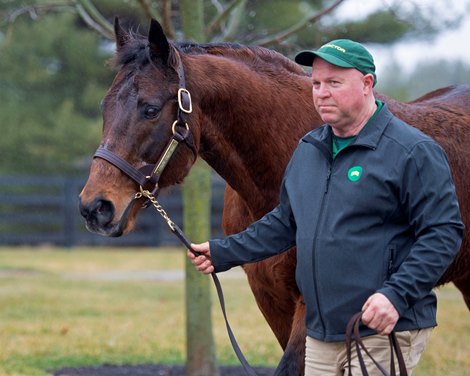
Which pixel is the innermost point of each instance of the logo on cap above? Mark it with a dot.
(341, 49)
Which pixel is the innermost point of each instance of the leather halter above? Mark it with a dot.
(150, 174)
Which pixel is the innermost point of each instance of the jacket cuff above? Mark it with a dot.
(400, 304)
(219, 265)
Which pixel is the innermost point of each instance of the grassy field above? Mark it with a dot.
(82, 307)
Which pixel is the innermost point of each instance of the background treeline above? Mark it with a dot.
(54, 71)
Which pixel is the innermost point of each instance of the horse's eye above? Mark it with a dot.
(151, 112)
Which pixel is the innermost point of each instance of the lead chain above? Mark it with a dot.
(156, 205)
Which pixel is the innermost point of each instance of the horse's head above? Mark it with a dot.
(142, 112)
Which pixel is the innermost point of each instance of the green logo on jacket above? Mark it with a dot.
(355, 173)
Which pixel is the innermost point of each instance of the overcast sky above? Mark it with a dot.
(453, 45)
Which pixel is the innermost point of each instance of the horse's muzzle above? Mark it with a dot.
(99, 215)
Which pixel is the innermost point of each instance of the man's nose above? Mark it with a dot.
(321, 91)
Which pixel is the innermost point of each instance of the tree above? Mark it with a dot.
(44, 87)
(200, 348)
(49, 113)
(283, 24)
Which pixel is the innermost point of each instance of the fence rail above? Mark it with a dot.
(44, 210)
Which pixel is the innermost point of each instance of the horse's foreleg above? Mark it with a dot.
(273, 284)
(463, 284)
(278, 311)
(293, 361)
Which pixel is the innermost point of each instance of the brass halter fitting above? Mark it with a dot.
(145, 193)
(184, 99)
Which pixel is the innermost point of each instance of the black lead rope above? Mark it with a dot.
(175, 229)
(142, 180)
(248, 369)
(354, 337)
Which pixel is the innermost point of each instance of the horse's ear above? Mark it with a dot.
(158, 43)
(122, 37)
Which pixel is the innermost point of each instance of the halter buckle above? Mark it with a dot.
(175, 123)
(184, 99)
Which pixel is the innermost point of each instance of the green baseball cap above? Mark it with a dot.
(342, 53)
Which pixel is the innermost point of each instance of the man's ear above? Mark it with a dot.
(368, 80)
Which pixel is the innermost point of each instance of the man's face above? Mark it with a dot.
(339, 94)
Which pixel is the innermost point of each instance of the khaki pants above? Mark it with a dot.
(330, 359)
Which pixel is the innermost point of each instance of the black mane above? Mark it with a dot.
(135, 51)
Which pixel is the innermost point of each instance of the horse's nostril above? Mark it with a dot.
(99, 212)
(84, 211)
(104, 209)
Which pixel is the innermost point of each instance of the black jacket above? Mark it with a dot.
(381, 217)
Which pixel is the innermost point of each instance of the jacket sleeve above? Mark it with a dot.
(429, 201)
(272, 234)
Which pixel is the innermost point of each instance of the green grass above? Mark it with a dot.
(61, 308)
(56, 310)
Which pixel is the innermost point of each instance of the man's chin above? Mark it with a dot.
(328, 117)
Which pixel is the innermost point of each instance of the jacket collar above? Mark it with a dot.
(369, 136)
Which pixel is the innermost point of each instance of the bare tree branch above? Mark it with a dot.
(34, 11)
(91, 23)
(167, 24)
(148, 10)
(236, 17)
(93, 18)
(217, 21)
(283, 35)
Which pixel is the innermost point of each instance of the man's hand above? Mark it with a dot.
(378, 313)
(202, 262)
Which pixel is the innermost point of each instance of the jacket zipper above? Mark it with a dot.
(320, 216)
(327, 154)
(328, 176)
(391, 258)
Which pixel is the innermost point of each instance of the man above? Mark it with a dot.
(370, 204)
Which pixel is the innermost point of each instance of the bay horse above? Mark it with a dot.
(250, 107)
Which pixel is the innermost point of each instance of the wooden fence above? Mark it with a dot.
(44, 210)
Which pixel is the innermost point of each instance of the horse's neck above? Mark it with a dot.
(250, 124)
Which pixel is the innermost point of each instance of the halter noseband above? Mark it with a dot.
(150, 174)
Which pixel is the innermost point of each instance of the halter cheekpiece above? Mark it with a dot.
(150, 174)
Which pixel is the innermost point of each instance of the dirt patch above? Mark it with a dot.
(152, 370)
(8, 273)
(171, 275)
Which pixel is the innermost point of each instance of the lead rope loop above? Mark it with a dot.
(187, 243)
(157, 206)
